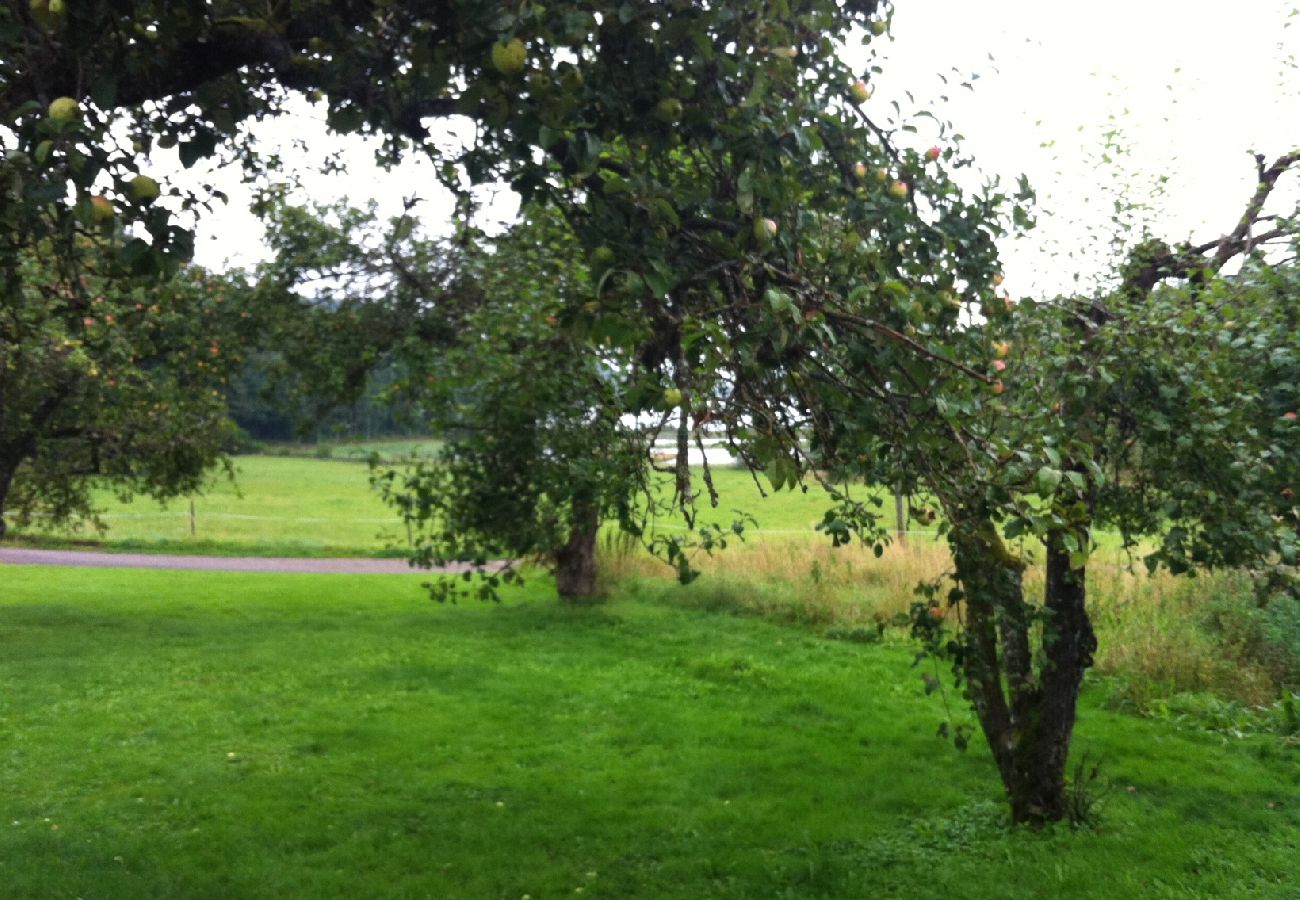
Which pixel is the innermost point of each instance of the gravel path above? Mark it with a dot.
(24, 556)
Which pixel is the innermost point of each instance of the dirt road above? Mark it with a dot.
(331, 566)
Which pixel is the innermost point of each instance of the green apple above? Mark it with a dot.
(510, 57)
(64, 109)
(879, 27)
(764, 230)
(539, 83)
(143, 188)
(571, 80)
(899, 189)
(669, 110)
(860, 171)
(859, 91)
(47, 13)
(672, 398)
(101, 209)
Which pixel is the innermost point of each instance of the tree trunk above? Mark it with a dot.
(575, 562)
(1038, 794)
(988, 585)
(6, 479)
(1027, 717)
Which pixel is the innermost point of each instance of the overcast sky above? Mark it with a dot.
(1191, 85)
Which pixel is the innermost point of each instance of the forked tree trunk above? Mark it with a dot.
(575, 562)
(1068, 646)
(1027, 716)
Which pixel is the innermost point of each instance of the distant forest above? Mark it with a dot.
(270, 404)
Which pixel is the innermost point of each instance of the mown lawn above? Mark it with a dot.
(205, 735)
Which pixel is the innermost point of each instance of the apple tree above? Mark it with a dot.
(533, 455)
(581, 105)
(1161, 407)
(108, 380)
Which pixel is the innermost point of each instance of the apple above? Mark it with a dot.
(859, 91)
(879, 27)
(101, 209)
(668, 110)
(672, 398)
(539, 83)
(602, 257)
(143, 188)
(999, 365)
(64, 109)
(997, 279)
(47, 13)
(997, 387)
(509, 57)
(882, 174)
(1002, 350)
(764, 230)
(932, 154)
(899, 189)
(1289, 415)
(860, 171)
(571, 80)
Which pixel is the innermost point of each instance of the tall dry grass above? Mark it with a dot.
(1149, 626)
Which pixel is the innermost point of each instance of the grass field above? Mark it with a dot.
(233, 736)
(293, 505)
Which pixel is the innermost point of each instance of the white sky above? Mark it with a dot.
(1193, 86)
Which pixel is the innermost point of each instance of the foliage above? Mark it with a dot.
(534, 454)
(112, 378)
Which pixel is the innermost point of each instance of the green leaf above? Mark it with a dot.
(1047, 481)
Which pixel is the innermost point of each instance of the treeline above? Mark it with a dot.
(267, 403)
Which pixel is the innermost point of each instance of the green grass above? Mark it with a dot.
(277, 506)
(296, 506)
(216, 735)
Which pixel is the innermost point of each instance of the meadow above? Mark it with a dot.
(294, 501)
(762, 732)
(219, 735)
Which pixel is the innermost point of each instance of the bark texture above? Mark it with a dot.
(575, 562)
(1026, 712)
